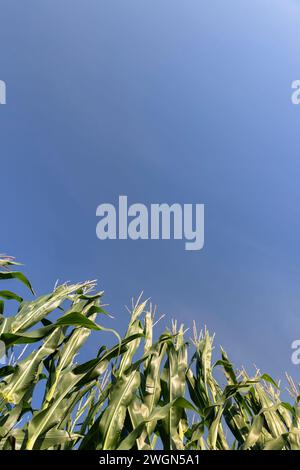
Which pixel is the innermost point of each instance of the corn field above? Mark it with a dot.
(144, 393)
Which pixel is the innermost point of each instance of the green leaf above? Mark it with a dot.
(276, 444)
(255, 432)
(26, 371)
(17, 275)
(8, 295)
(269, 379)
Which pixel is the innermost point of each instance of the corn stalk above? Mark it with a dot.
(145, 392)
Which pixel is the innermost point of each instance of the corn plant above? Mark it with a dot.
(145, 392)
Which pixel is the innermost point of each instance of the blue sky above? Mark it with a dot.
(164, 101)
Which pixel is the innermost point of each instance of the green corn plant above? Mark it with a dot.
(145, 392)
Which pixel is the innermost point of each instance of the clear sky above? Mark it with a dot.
(164, 101)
